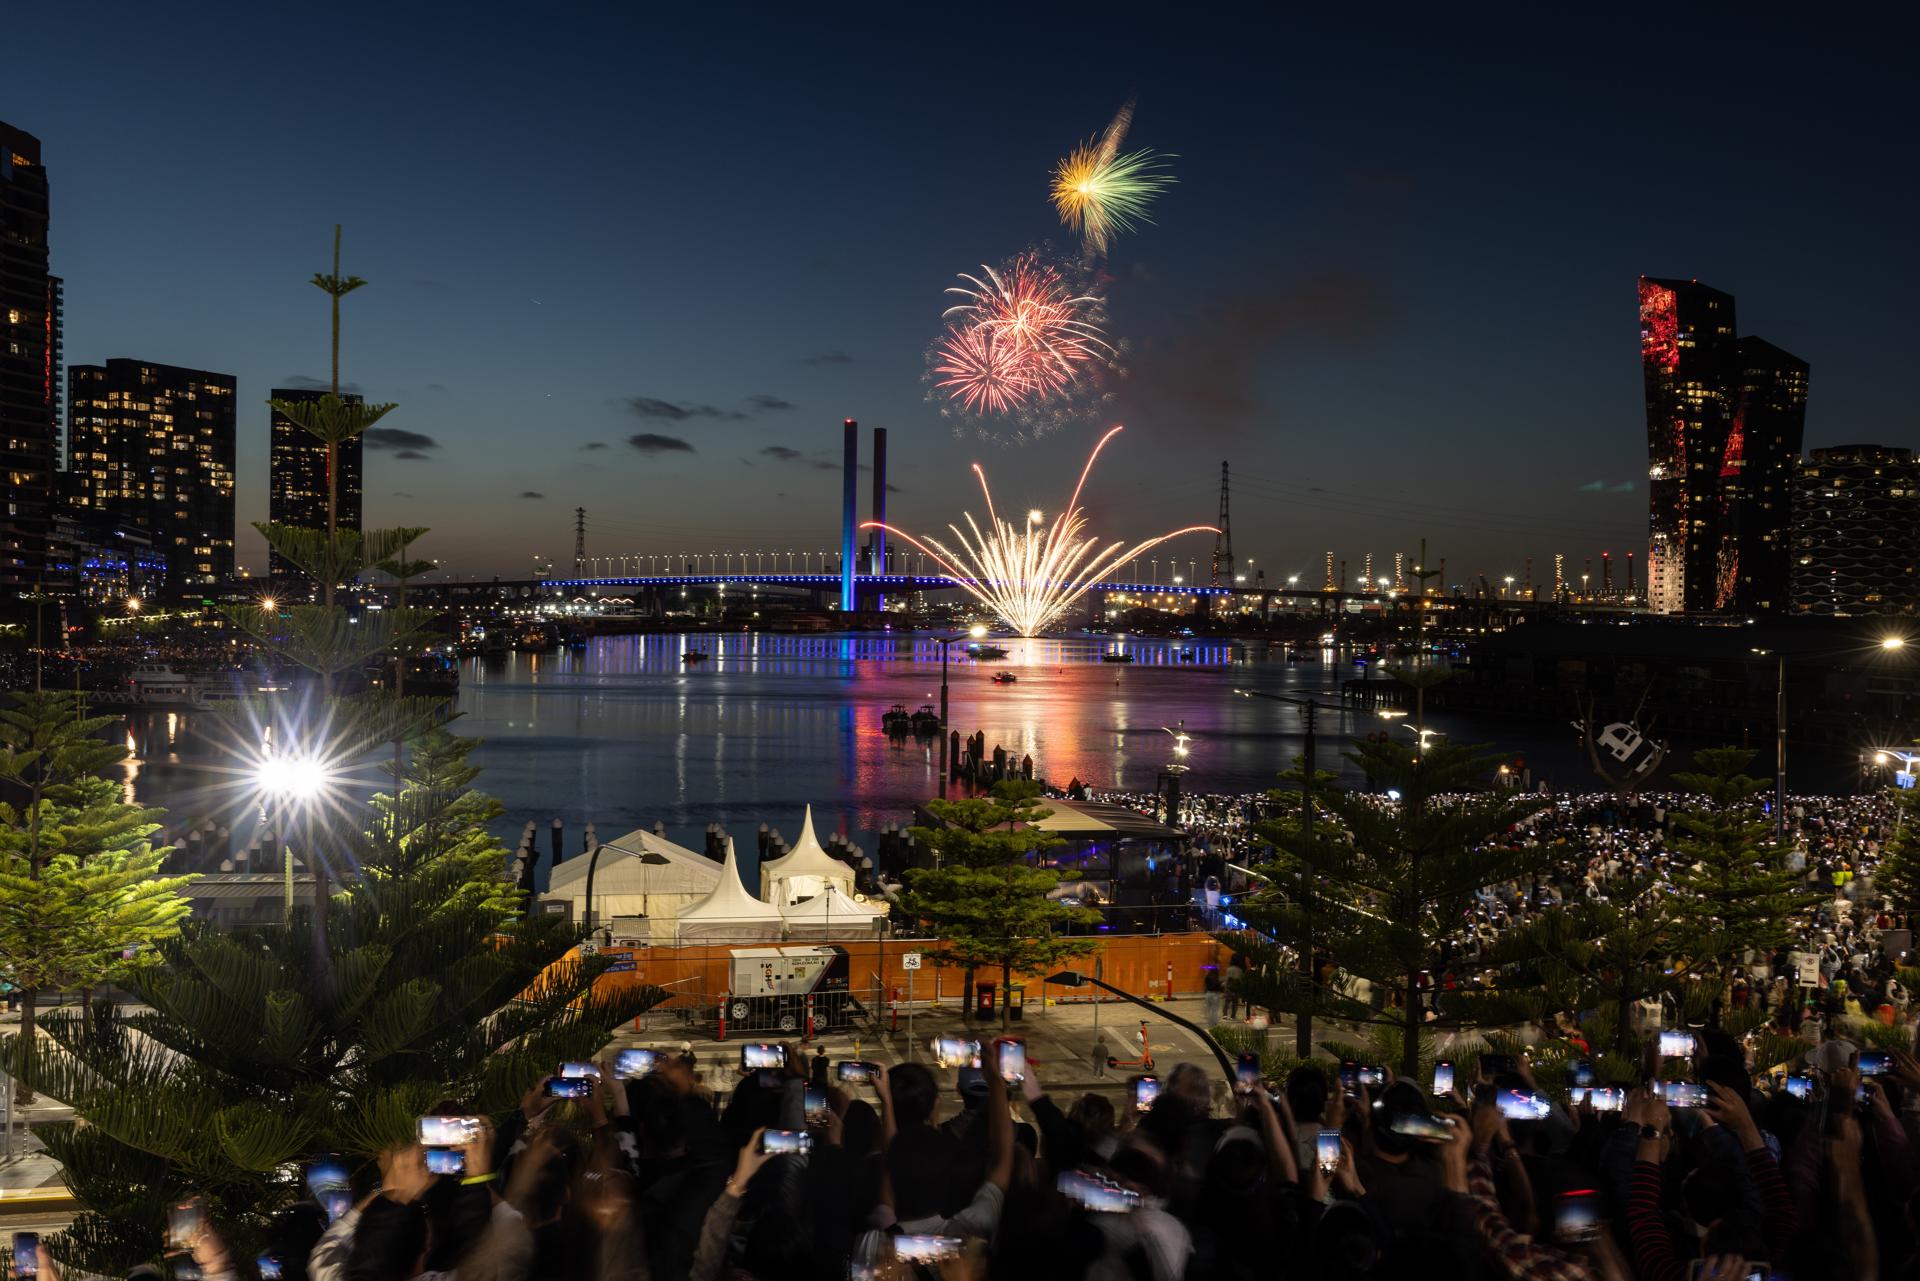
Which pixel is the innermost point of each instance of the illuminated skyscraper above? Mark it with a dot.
(152, 445)
(1856, 531)
(297, 477)
(1724, 422)
(29, 362)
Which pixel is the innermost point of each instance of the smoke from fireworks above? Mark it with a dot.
(1032, 573)
(1021, 341)
(1100, 192)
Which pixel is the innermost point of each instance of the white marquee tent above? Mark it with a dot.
(804, 871)
(729, 914)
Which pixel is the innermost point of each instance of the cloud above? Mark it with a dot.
(782, 453)
(410, 453)
(531, 493)
(1624, 487)
(650, 407)
(300, 382)
(439, 387)
(769, 404)
(828, 358)
(649, 443)
(1592, 487)
(398, 438)
(592, 445)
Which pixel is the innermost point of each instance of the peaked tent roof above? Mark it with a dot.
(729, 902)
(685, 871)
(831, 905)
(807, 862)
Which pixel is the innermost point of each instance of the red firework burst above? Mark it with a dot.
(1023, 336)
(979, 373)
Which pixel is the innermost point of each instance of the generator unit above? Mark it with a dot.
(769, 987)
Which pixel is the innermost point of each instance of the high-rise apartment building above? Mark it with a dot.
(297, 477)
(1856, 531)
(153, 445)
(29, 362)
(1725, 416)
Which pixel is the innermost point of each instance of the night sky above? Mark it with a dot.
(1395, 284)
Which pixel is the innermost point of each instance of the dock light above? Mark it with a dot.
(269, 604)
(133, 604)
(1893, 642)
(977, 631)
(294, 777)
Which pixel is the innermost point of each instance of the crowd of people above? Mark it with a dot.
(797, 1172)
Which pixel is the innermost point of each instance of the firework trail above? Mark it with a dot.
(1100, 192)
(1032, 573)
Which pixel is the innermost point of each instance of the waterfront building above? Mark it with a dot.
(153, 445)
(1856, 531)
(29, 362)
(103, 560)
(1725, 416)
(297, 477)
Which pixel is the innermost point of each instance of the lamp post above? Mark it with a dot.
(975, 632)
(647, 859)
(1887, 644)
(1302, 1021)
(1075, 978)
(295, 781)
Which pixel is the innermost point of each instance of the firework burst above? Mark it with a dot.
(1031, 573)
(1099, 192)
(1020, 339)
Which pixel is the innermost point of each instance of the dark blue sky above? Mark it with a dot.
(1395, 283)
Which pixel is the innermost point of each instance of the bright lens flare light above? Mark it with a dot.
(1031, 574)
(1100, 193)
(293, 777)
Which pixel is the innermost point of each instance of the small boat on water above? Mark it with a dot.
(159, 684)
(987, 653)
(925, 722)
(1004, 678)
(694, 656)
(895, 721)
(1116, 658)
(1301, 656)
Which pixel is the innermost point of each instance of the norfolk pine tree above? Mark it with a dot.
(985, 898)
(1739, 892)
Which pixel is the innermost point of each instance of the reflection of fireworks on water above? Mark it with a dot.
(1031, 574)
(1100, 192)
(1024, 343)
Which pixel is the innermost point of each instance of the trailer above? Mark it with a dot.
(770, 989)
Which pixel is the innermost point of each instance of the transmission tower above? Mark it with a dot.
(1223, 541)
(579, 539)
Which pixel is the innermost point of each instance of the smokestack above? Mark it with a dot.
(849, 501)
(1629, 573)
(879, 510)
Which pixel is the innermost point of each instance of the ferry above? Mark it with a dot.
(163, 685)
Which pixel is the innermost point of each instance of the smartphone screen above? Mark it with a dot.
(1431, 1129)
(26, 1254)
(925, 1249)
(779, 1142)
(1676, 1045)
(578, 1071)
(1096, 1193)
(1246, 1073)
(184, 1223)
(569, 1087)
(1372, 1077)
(1606, 1098)
(1145, 1090)
(1875, 1063)
(754, 1057)
(1013, 1062)
(1443, 1078)
(955, 1051)
(446, 1160)
(631, 1064)
(1326, 1150)
(269, 1267)
(1582, 1073)
(1522, 1105)
(1576, 1215)
(851, 1073)
(1683, 1094)
(1800, 1087)
(448, 1131)
(816, 1103)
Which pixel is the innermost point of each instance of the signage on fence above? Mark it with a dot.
(910, 961)
(1808, 964)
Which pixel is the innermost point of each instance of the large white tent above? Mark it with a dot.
(640, 874)
(804, 871)
(831, 914)
(728, 914)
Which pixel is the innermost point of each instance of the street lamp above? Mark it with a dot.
(647, 859)
(1889, 643)
(975, 632)
(296, 781)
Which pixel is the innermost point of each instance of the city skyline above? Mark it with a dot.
(1328, 303)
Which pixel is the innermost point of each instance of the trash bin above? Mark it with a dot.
(983, 1001)
(1016, 1002)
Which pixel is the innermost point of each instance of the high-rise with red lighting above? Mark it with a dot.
(1724, 420)
(29, 362)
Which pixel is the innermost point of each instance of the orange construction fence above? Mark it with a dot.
(1150, 965)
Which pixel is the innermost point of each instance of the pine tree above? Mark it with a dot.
(1393, 881)
(1898, 876)
(81, 894)
(1738, 892)
(985, 897)
(414, 977)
